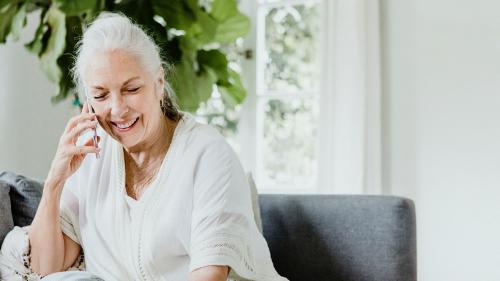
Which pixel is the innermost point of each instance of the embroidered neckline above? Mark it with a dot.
(120, 162)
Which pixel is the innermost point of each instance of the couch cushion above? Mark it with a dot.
(25, 194)
(255, 201)
(6, 222)
(341, 237)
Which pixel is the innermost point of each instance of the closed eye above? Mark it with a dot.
(100, 96)
(133, 90)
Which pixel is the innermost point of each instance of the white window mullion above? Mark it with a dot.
(326, 139)
(247, 126)
(261, 88)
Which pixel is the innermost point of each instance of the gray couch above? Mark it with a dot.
(311, 237)
(341, 237)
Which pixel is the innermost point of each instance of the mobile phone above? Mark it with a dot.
(94, 137)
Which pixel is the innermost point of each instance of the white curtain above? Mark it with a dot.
(350, 129)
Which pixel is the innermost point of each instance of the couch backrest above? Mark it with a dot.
(341, 237)
(19, 198)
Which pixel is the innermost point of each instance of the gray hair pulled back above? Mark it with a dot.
(111, 31)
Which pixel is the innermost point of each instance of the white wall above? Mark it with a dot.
(30, 126)
(442, 130)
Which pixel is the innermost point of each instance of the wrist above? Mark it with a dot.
(54, 183)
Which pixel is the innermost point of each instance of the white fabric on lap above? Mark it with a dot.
(15, 259)
(72, 276)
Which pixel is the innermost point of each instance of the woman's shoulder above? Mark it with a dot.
(200, 135)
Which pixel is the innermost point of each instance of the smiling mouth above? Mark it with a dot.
(125, 126)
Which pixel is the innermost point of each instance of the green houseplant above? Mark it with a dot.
(191, 35)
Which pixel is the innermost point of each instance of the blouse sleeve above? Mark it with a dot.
(223, 231)
(69, 207)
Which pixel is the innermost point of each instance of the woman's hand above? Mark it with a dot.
(69, 156)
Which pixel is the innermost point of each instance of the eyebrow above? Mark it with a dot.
(124, 83)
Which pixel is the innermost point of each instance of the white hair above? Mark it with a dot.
(114, 31)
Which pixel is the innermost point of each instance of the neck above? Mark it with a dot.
(154, 149)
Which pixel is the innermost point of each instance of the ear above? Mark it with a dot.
(160, 83)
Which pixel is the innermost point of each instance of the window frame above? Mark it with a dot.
(253, 74)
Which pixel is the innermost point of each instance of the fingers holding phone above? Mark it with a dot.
(70, 155)
(94, 137)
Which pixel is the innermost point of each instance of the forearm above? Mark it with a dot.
(210, 273)
(45, 235)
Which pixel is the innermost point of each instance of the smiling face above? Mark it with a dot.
(125, 97)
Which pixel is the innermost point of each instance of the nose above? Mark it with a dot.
(119, 107)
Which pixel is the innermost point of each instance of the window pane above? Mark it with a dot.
(288, 152)
(222, 117)
(291, 61)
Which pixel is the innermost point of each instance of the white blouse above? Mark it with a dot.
(197, 212)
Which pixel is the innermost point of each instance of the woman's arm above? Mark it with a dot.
(51, 250)
(210, 273)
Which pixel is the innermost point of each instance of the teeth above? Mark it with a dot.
(125, 125)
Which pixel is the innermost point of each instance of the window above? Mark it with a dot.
(277, 130)
(314, 80)
(279, 127)
(287, 95)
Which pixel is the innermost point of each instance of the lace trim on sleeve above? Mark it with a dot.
(231, 250)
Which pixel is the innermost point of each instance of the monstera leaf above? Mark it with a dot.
(190, 35)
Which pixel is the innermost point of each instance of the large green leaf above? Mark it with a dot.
(141, 11)
(233, 93)
(177, 13)
(36, 45)
(192, 88)
(4, 3)
(205, 81)
(232, 29)
(76, 7)
(188, 47)
(64, 89)
(65, 61)
(55, 46)
(18, 22)
(192, 5)
(224, 9)
(204, 29)
(216, 60)
(7, 14)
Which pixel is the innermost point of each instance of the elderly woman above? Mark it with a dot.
(166, 199)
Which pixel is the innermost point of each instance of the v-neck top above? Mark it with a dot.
(196, 212)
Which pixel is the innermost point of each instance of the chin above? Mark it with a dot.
(128, 142)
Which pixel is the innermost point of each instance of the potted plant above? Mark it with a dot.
(192, 35)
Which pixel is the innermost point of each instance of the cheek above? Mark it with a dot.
(101, 119)
(101, 108)
(147, 106)
(104, 125)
